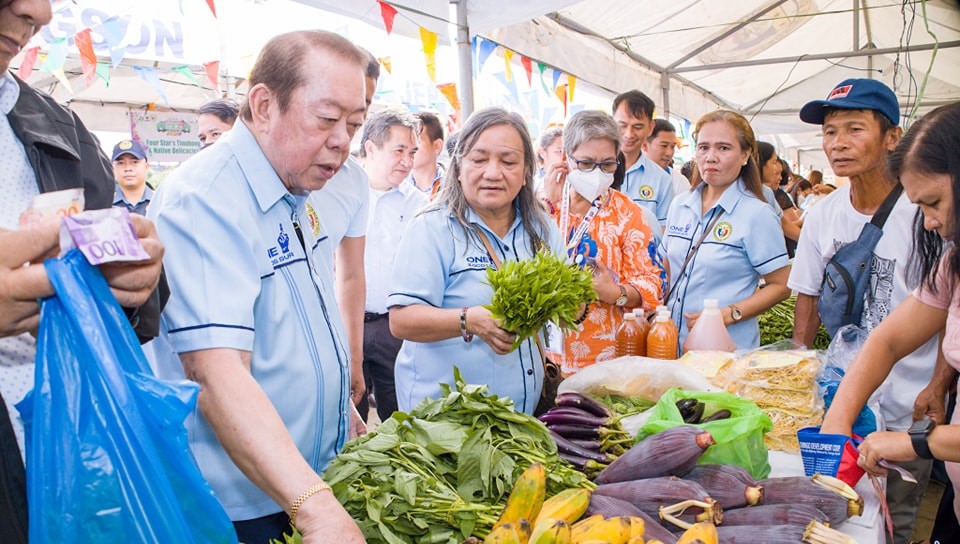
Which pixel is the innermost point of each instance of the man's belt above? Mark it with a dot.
(372, 316)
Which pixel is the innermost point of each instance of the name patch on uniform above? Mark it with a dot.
(479, 262)
(722, 231)
(647, 192)
(314, 220)
(280, 253)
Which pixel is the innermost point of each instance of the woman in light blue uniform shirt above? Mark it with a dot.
(439, 289)
(743, 243)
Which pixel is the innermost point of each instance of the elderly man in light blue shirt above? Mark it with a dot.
(252, 314)
(645, 182)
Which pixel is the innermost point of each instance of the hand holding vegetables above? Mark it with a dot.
(481, 322)
(529, 293)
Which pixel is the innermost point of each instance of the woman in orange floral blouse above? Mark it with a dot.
(604, 229)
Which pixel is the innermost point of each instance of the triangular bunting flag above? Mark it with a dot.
(212, 69)
(187, 73)
(387, 12)
(62, 77)
(151, 76)
(542, 68)
(56, 56)
(449, 91)
(556, 78)
(212, 8)
(528, 68)
(103, 72)
(561, 92)
(511, 86)
(387, 63)
(429, 40)
(485, 48)
(113, 32)
(29, 61)
(507, 58)
(572, 84)
(88, 59)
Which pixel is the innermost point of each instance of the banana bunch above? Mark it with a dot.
(555, 520)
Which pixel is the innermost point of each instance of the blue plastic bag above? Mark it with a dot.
(107, 452)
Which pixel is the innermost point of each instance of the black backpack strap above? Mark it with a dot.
(883, 212)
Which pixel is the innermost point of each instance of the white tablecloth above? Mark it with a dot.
(866, 529)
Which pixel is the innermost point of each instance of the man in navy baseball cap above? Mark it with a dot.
(130, 168)
(859, 120)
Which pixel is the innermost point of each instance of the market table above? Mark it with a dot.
(866, 529)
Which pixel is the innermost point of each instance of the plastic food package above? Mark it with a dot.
(739, 438)
(712, 364)
(635, 376)
(107, 452)
(785, 425)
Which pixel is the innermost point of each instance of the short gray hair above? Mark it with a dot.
(589, 125)
(377, 126)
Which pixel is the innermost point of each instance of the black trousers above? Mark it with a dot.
(13, 484)
(380, 349)
(263, 530)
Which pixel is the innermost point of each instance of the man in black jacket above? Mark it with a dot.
(44, 147)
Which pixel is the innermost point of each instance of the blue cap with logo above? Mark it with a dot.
(854, 94)
(129, 147)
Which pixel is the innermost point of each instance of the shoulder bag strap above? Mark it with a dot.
(496, 262)
(883, 212)
(692, 252)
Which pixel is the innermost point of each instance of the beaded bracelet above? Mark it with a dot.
(467, 337)
(311, 491)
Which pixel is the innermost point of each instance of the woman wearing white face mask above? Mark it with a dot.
(605, 230)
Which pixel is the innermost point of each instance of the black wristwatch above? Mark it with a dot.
(919, 432)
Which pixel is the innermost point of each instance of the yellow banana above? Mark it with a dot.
(637, 539)
(568, 505)
(504, 534)
(613, 530)
(526, 498)
(701, 533)
(551, 531)
(638, 527)
(585, 524)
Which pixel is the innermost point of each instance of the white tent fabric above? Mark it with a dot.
(765, 58)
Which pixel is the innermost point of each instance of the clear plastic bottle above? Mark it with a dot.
(663, 338)
(709, 333)
(631, 339)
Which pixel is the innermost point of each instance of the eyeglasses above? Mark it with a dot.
(589, 166)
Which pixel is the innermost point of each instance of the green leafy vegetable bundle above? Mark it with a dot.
(442, 472)
(529, 293)
(777, 324)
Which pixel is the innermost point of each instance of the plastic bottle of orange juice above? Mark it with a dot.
(631, 339)
(662, 339)
(709, 333)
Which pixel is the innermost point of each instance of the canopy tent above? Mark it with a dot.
(764, 58)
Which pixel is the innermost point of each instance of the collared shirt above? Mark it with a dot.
(240, 278)
(343, 203)
(442, 266)
(434, 185)
(390, 212)
(140, 207)
(772, 201)
(18, 185)
(647, 184)
(745, 243)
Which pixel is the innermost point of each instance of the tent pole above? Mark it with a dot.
(856, 25)
(465, 57)
(665, 87)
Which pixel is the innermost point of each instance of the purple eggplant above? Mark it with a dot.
(582, 463)
(594, 445)
(566, 446)
(562, 418)
(595, 407)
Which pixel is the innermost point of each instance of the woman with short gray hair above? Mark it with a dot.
(606, 231)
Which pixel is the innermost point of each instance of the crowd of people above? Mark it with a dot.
(300, 282)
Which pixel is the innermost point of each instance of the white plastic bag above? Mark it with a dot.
(635, 377)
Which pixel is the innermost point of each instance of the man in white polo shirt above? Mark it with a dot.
(387, 150)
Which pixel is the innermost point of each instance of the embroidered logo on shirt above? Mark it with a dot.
(479, 262)
(647, 192)
(281, 253)
(314, 220)
(677, 229)
(722, 231)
